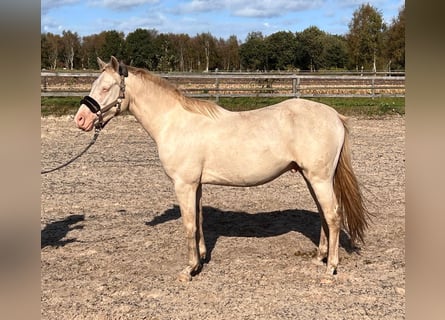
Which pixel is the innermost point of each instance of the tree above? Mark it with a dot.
(365, 37)
(113, 44)
(229, 53)
(335, 52)
(166, 55)
(206, 46)
(395, 42)
(312, 45)
(193, 60)
(252, 52)
(44, 51)
(51, 48)
(71, 47)
(281, 48)
(89, 50)
(140, 48)
(181, 47)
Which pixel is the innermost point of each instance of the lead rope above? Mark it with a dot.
(96, 134)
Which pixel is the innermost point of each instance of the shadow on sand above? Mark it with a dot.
(54, 232)
(219, 223)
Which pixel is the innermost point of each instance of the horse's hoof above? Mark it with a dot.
(327, 279)
(317, 261)
(184, 277)
(331, 270)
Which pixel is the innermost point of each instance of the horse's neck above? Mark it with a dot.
(151, 105)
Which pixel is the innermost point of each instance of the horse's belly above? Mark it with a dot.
(243, 174)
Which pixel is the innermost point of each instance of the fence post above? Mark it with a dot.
(296, 86)
(217, 88)
(373, 88)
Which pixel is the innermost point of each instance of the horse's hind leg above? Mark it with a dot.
(187, 195)
(324, 196)
(322, 251)
(201, 240)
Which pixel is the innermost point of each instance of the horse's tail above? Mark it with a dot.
(350, 201)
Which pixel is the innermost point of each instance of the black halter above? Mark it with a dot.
(95, 107)
(92, 104)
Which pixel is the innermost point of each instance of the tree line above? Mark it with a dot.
(369, 45)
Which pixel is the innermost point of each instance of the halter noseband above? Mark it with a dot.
(95, 107)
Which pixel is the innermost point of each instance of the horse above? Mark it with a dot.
(199, 142)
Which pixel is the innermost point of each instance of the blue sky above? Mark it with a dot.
(222, 18)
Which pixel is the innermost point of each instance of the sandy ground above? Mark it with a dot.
(112, 240)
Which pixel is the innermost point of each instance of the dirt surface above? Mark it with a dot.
(113, 243)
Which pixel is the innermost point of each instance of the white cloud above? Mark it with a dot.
(50, 25)
(254, 8)
(357, 3)
(274, 8)
(201, 6)
(131, 23)
(57, 3)
(148, 22)
(47, 5)
(120, 4)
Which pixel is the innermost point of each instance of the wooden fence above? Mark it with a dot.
(216, 85)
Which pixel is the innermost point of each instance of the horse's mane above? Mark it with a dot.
(206, 108)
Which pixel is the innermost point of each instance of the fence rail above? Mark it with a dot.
(216, 85)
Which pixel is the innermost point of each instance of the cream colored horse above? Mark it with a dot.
(201, 143)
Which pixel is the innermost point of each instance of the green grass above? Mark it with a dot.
(366, 106)
(59, 106)
(347, 106)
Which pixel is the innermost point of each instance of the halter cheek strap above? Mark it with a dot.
(123, 70)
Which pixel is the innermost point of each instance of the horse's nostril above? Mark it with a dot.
(80, 120)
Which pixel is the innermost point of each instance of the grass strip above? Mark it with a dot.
(59, 106)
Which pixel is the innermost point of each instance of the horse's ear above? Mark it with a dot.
(114, 63)
(101, 63)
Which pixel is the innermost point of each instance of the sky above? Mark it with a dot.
(222, 18)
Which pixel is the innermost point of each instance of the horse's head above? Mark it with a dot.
(106, 98)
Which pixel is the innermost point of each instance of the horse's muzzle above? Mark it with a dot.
(85, 119)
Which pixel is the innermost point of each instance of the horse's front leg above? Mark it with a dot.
(187, 198)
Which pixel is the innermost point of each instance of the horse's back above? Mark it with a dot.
(307, 109)
(299, 119)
